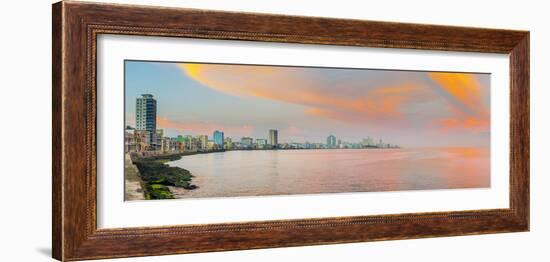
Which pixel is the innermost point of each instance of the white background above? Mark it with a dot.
(25, 53)
(114, 212)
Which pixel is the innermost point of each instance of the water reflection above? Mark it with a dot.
(254, 173)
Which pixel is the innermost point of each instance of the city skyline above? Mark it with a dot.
(144, 137)
(454, 111)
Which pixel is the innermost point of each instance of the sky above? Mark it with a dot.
(307, 104)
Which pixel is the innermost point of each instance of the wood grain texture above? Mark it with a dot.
(76, 27)
(519, 129)
(57, 195)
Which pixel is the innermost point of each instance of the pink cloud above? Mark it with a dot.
(203, 128)
(385, 105)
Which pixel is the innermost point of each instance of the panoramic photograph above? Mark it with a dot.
(198, 130)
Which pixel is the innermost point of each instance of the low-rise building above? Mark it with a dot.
(142, 140)
(203, 143)
(246, 142)
(261, 143)
(227, 143)
(129, 140)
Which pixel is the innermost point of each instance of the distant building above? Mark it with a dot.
(210, 145)
(367, 142)
(227, 143)
(237, 145)
(261, 143)
(129, 140)
(142, 140)
(181, 143)
(196, 144)
(173, 144)
(146, 115)
(203, 142)
(158, 137)
(247, 142)
(165, 144)
(218, 138)
(331, 141)
(342, 144)
(273, 137)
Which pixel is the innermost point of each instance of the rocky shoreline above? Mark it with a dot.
(157, 176)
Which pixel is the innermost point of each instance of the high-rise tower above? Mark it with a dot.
(273, 137)
(146, 115)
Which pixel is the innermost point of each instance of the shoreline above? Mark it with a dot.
(133, 184)
(178, 155)
(157, 176)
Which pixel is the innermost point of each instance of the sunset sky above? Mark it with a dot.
(408, 108)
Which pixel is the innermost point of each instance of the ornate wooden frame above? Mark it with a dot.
(76, 26)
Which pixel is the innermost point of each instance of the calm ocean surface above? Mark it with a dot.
(281, 172)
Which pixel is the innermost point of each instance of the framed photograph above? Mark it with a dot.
(181, 130)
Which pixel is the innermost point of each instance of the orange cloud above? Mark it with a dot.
(285, 85)
(463, 124)
(466, 90)
(203, 128)
(382, 104)
(463, 87)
